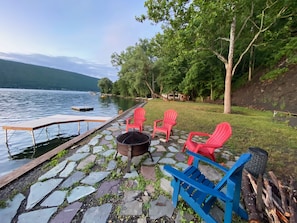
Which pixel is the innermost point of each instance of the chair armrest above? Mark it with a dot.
(128, 120)
(209, 145)
(201, 187)
(198, 157)
(192, 134)
(156, 122)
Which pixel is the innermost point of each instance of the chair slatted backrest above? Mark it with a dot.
(221, 134)
(170, 117)
(234, 171)
(139, 115)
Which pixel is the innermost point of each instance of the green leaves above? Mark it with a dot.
(194, 51)
(105, 85)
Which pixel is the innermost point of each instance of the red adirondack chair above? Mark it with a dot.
(166, 124)
(136, 122)
(215, 141)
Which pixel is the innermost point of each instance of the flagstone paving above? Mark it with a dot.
(91, 186)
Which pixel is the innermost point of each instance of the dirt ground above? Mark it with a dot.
(280, 95)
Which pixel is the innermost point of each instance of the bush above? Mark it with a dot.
(274, 74)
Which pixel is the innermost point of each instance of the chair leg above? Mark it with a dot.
(184, 148)
(175, 194)
(228, 212)
(212, 156)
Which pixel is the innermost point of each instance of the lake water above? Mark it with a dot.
(17, 105)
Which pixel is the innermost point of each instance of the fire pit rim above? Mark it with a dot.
(134, 144)
(133, 149)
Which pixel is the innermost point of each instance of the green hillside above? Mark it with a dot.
(20, 75)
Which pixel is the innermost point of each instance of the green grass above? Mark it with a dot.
(249, 128)
(274, 74)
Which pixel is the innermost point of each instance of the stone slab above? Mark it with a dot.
(148, 172)
(67, 214)
(68, 169)
(39, 190)
(97, 214)
(55, 199)
(54, 171)
(84, 163)
(37, 216)
(161, 207)
(80, 192)
(74, 178)
(94, 177)
(108, 187)
(8, 213)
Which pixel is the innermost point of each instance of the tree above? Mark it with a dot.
(137, 68)
(213, 26)
(105, 85)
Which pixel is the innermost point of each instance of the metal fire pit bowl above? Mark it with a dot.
(132, 144)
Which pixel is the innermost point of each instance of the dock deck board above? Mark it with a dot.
(52, 120)
(32, 125)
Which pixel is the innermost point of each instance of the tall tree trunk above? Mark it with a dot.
(211, 92)
(151, 90)
(251, 63)
(229, 67)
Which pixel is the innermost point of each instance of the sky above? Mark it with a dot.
(71, 34)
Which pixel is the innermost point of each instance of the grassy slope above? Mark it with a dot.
(249, 127)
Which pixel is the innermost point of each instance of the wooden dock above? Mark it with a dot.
(50, 120)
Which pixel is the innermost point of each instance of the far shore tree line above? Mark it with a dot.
(206, 48)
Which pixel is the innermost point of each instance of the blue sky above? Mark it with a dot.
(84, 32)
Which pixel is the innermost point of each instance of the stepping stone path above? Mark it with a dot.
(91, 173)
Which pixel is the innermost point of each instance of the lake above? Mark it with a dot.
(17, 105)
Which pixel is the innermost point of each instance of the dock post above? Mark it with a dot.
(6, 139)
(78, 128)
(33, 138)
(46, 130)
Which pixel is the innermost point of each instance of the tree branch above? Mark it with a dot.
(260, 30)
(221, 58)
(245, 22)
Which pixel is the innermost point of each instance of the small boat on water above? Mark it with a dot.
(93, 93)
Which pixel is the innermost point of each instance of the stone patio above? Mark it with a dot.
(64, 193)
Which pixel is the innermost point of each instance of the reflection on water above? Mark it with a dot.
(39, 149)
(18, 105)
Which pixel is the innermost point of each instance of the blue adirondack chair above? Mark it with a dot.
(200, 193)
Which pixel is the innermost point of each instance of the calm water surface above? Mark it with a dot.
(17, 105)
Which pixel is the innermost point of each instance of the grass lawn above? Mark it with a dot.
(249, 128)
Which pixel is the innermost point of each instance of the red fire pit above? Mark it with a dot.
(132, 144)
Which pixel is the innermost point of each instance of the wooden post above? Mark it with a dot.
(249, 198)
(6, 139)
(259, 200)
(293, 201)
(33, 138)
(46, 130)
(129, 159)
